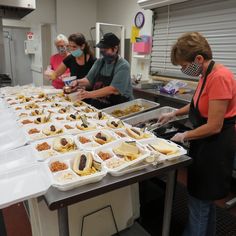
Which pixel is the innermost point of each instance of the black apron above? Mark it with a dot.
(210, 173)
(102, 81)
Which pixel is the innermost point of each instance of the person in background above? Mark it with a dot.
(109, 77)
(212, 113)
(61, 43)
(79, 62)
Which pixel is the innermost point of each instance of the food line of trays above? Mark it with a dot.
(74, 144)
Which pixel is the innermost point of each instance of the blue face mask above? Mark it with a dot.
(77, 53)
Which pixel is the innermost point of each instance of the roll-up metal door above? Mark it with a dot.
(215, 19)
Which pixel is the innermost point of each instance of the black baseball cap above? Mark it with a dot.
(109, 40)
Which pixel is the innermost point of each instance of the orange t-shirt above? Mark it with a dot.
(220, 85)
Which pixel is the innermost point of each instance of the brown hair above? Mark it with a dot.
(79, 40)
(188, 46)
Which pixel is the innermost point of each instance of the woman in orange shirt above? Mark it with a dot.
(212, 141)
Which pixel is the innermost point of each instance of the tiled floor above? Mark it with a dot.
(17, 223)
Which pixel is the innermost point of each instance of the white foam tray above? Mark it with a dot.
(40, 128)
(163, 157)
(21, 184)
(108, 148)
(16, 159)
(12, 139)
(78, 180)
(90, 135)
(48, 154)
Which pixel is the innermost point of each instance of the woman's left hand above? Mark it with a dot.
(179, 137)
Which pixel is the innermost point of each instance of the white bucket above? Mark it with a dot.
(67, 80)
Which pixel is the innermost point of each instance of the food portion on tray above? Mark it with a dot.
(121, 154)
(130, 108)
(165, 149)
(75, 170)
(45, 149)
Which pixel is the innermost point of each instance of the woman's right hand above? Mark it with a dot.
(166, 117)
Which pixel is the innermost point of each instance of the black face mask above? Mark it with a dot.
(107, 57)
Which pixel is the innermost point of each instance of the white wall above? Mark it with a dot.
(76, 16)
(123, 12)
(45, 13)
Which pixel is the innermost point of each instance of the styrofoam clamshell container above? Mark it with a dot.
(49, 153)
(91, 136)
(16, 158)
(92, 125)
(121, 163)
(41, 128)
(106, 122)
(181, 151)
(32, 119)
(58, 180)
(70, 127)
(9, 125)
(13, 138)
(65, 117)
(28, 113)
(23, 183)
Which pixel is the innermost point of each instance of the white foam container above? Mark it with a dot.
(91, 136)
(23, 183)
(11, 139)
(162, 157)
(78, 180)
(41, 135)
(108, 148)
(48, 154)
(17, 158)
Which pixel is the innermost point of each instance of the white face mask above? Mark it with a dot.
(61, 49)
(194, 69)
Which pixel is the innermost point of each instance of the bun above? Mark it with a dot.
(85, 127)
(135, 133)
(102, 138)
(83, 164)
(115, 124)
(61, 144)
(72, 117)
(41, 120)
(51, 130)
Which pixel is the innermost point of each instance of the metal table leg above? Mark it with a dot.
(168, 202)
(63, 221)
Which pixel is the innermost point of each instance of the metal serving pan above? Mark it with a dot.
(146, 104)
(149, 119)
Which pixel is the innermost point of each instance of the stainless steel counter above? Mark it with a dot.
(155, 93)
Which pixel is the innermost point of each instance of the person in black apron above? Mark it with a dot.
(210, 173)
(109, 79)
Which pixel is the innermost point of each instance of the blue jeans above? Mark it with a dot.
(201, 219)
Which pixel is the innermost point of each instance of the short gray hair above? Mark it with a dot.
(61, 37)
